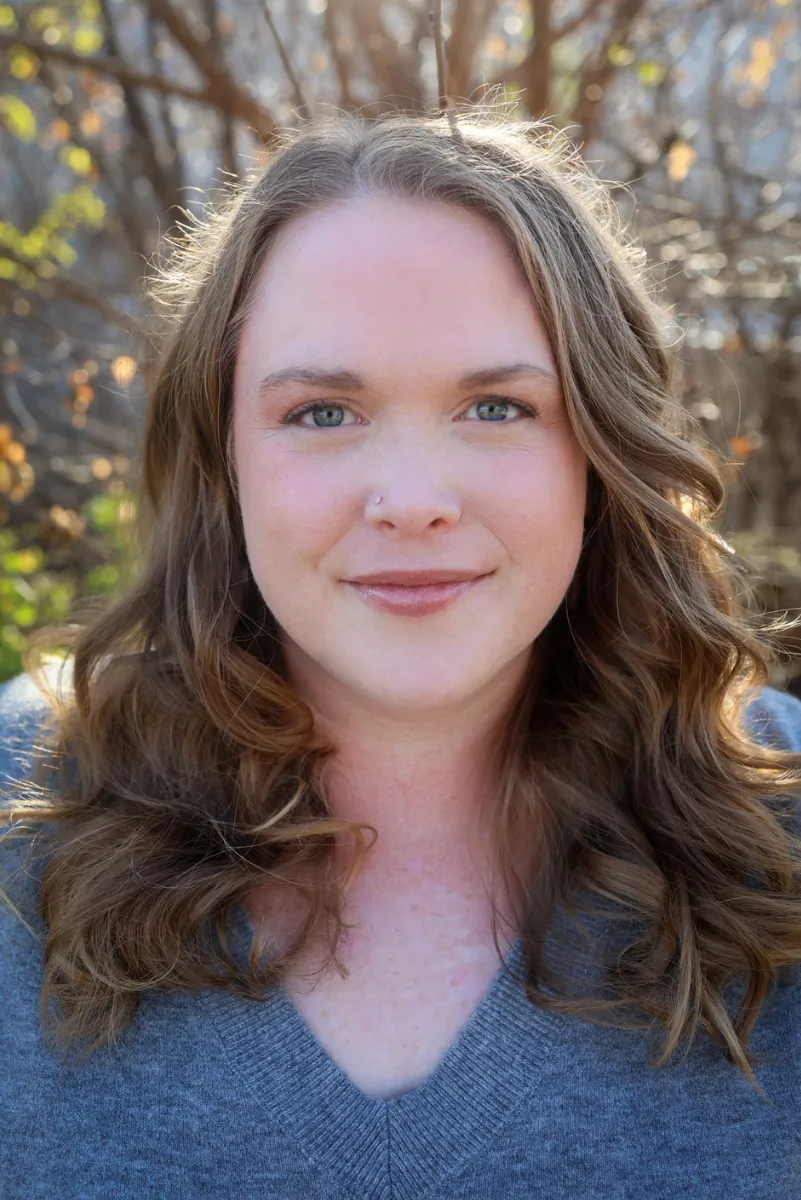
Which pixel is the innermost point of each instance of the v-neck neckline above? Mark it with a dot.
(396, 1147)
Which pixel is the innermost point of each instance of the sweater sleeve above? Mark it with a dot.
(22, 710)
(775, 718)
(23, 713)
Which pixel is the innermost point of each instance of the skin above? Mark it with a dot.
(410, 295)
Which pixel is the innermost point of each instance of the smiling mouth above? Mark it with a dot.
(415, 599)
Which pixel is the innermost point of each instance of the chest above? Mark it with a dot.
(419, 960)
(405, 1000)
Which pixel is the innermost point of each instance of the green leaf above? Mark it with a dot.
(24, 614)
(10, 662)
(102, 579)
(23, 562)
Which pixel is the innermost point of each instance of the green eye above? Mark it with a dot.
(496, 408)
(493, 410)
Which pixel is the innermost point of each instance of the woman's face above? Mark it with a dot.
(393, 350)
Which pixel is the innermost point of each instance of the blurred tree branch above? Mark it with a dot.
(110, 67)
(220, 91)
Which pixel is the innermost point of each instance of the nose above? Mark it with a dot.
(411, 504)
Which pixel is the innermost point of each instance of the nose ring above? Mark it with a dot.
(378, 499)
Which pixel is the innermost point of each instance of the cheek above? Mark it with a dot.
(538, 504)
(289, 511)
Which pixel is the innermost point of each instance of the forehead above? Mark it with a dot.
(391, 287)
(390, 272)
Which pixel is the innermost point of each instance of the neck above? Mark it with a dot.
(424, 780)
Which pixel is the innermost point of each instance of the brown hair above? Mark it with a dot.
(190, 771)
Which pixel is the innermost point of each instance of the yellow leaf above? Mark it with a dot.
(32, 245)
(651, 73)
(26, 561)
(761, 63)
(681, 157)
(19, 118)
(87, 40)
(77, 159)
(7, 18)
(621, 56)
(40, 18)
(24, 64)
(65, 254)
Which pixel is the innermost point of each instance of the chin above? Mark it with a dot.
(430, 688)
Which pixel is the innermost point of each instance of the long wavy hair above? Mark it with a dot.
(187, 771)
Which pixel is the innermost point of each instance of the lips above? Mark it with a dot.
(417, 578)
(415, 593)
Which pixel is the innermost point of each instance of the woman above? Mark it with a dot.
(428, 765)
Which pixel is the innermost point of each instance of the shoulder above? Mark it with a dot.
(775, 719)
(24, 719)
(24, 712)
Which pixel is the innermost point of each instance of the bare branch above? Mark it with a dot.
(587, 13)
(144, 149)
(124, 203)
(228, 155)
(435, 17)
(113, 67)
(536, 68)
(83, 293)
(599, 69)
(300, 100)
(340, 62)
(222, 90)
(394, 74)
(468, 28)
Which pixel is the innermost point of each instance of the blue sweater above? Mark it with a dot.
(211, 1095)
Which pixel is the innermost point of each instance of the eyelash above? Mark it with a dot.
(293, 418)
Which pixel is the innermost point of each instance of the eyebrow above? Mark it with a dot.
(342, 380)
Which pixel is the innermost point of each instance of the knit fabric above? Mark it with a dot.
(210, 1095)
